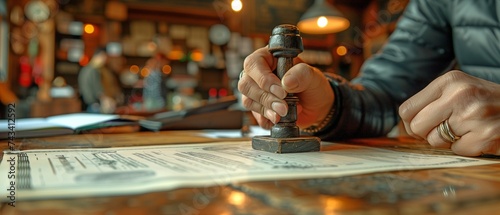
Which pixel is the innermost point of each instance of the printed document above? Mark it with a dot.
(61, 173)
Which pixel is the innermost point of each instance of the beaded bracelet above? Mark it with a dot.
(328, 120)
(316, 128)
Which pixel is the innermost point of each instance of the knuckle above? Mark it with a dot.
(464, 90)
(243, 85)
(466, 94)
(482, 94)
(407, 109)
(404, 110)
(411, 125)
(262, 80)
(246, 102)
(480, 111)
(252, 62)
(265, 98)
(249, 61)
(451, 77)
(489, 110)
(454, 75)
(262, 110)
(416, 130)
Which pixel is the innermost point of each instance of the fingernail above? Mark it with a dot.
(271, 115)
(279, 108)
(278, 91)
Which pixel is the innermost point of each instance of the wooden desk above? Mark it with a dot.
(471, 190)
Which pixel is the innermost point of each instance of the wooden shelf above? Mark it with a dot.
(177, 15)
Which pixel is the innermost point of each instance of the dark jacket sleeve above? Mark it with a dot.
(418, 51)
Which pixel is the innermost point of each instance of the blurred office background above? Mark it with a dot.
(163, 54)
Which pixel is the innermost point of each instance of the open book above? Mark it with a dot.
(61, 124)
(216, 115)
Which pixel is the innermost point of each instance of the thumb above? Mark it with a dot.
(303, 78)
(313, 90)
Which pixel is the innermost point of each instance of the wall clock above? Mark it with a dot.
(219, 34)
(37, 11)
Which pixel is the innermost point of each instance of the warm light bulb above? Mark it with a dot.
(134, 69)
(176, 53)
(144, 72)
(322, 22)
(236, 5)
(166, 69)
(341, 50)
(197, 56)
(89, 28)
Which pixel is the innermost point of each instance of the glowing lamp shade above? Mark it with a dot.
(322, 18)
(236, 5)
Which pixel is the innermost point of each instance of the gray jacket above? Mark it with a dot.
(431, 37)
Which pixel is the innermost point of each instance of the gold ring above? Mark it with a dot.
(445, 132)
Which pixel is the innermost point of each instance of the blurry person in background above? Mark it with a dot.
(154, 93)
(98, 86)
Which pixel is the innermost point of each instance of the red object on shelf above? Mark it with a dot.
(212, 93)
(222, 92)
(25, 77)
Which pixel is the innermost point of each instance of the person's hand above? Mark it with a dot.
(471, 106)
(263, 92)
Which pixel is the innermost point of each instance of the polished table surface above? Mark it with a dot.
(468, 190)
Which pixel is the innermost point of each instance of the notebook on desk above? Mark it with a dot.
(61, 124)
(217, 115)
